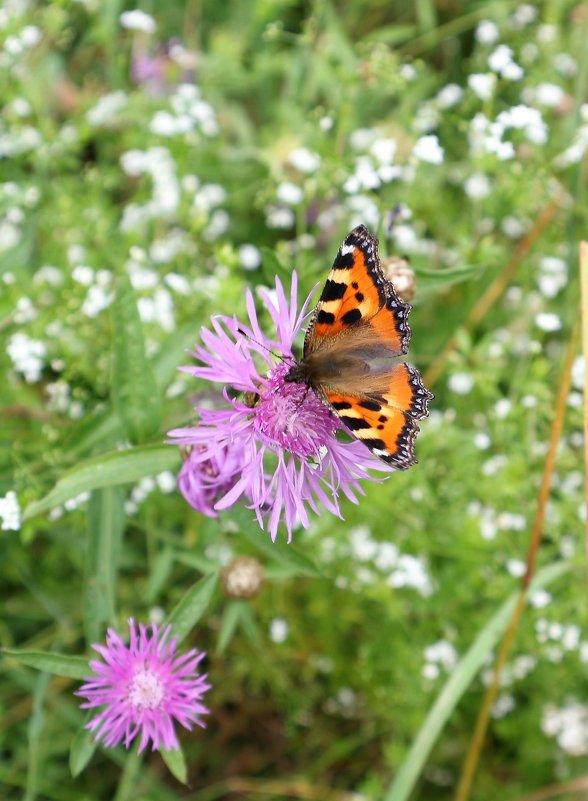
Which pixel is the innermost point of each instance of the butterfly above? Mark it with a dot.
(357, 328)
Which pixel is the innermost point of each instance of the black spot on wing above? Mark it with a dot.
(324, 317)
(374, 443)
(340, 405)
(343, 261)
(355, 423)
(350, 317)
(373, 406)
(333, 290)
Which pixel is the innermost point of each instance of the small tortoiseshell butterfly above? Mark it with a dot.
(359, 324)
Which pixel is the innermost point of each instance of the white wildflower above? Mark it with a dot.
(10, 512)
(27, 355)
(249, 257)
(461, 383)
(482, 84)
(278, 630)
(487, 32)
(428, 149)
(138, 20)
(304, 160)
(548, 321)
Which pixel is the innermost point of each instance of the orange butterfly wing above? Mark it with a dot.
(356, 291)
(385, 421)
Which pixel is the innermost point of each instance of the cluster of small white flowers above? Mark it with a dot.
(501, 61)
(548, 321)
(482, 84)
(190, 113)
(441, 654)
(568, 636)
(138, 20)
(249, 257)
(487, 32)
(568, 725)
(27, 355)
(158, 163)
(552, 276)
(477, 186)
(461, 383)
(304, 160)
(16, 141)
(428, 149)
(401, 570)
(487, 137)
(11, 228)
(165, 249)
(278, 630)
(289, 193)
(492, 522)
(504, 704)
(279, 216)
(165, 482)
(10, 512)
(105, 112)
(16, 45)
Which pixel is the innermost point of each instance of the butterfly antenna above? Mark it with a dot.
(285, 359)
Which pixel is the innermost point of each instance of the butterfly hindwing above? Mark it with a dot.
(357, 293)
(384, 420)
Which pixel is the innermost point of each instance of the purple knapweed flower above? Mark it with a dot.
(282, 438)
(144, 687)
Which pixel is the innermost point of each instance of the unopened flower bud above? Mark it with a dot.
(242, 578)
(399, 271)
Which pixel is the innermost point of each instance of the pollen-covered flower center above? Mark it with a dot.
(292, 417)
(146, 689)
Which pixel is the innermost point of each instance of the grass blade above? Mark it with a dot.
(105, 524)
(107, 470)
(73, 667)
(135, 395)
(459, 681)
(191, 607)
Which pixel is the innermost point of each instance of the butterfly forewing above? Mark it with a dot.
(357, 293)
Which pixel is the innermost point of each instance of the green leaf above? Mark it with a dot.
(457, 684)
(176, 762)
(162, 565)
(231, 617)
(272, 267)
(286, 553)
(429, 280)
(135, 394)
(105, 525)
(107, 470)
(82, 748)
(74, 667)
(191, 607)
(172, 354)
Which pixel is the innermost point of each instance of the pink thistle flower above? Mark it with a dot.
(282, 438)
(144, 686)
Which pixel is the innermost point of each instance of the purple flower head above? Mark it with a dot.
(144, 686)
(282, 438)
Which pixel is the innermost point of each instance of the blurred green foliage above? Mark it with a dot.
(111, 168)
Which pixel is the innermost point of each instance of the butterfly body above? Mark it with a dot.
(356, 332)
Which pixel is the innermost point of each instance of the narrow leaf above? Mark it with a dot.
(231, 617)
(457, 684)
(272, 267)
(107, 470)
(36, 753)
(135, 395)
(82, 749)
(282, 551)
(74, 667)
(105, 524)
(191, 607)
(176, 762)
